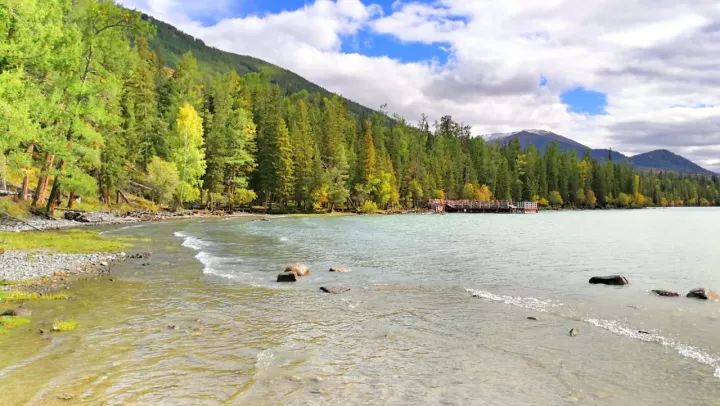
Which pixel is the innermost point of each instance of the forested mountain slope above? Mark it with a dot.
(170, 44)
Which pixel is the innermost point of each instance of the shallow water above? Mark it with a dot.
(437, 314)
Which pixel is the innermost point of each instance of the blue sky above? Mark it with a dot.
(367, 41)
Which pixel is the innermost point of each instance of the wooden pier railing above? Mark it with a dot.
(477, 206)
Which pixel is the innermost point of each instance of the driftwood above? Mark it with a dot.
(5, 217)
(119, 193)
(140, 185)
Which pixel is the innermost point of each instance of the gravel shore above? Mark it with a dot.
(41, 223)
(24, 265)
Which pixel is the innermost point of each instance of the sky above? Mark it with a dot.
(630, 75)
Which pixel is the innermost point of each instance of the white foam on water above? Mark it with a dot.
(208, 260)
(190, 241)
(613, 326)
(684, 350)
(212, 264)
(519, 301)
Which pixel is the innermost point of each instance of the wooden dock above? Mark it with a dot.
(477, 206)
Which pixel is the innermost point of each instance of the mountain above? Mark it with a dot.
(541, 139)
(658, 160)
(662, 158)
(170, 44)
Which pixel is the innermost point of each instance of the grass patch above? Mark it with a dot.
(19, 295)
(16, 209)
(66, 241)
(67, 325)
(10, 322)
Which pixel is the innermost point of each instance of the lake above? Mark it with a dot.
(438, 314)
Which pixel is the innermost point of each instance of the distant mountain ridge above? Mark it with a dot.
(658, 160)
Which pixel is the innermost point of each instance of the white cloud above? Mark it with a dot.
(655, 60)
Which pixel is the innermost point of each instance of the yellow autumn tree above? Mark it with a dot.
(187, 153)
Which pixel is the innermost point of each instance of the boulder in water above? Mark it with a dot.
(339, 269)
(335, 290)
(666, 293)
(573, 332)
(287, 277)
(298, 269)
(609, 280)
(704, 294)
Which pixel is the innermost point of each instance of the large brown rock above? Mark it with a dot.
(298, 269)
(704, 294)
(609, 280)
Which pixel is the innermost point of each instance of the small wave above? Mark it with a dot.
(613, 326)
(524, 302)
(191, 242)
(684, 350)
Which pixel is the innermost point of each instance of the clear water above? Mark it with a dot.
(437, 314)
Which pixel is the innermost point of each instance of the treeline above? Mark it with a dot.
(88, 110)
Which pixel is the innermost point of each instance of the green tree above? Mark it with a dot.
(164, 180)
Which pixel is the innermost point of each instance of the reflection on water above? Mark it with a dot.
(437, 314)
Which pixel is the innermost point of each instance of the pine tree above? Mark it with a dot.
(367, 157)
(303, 153)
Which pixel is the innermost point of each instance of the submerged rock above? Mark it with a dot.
(609, 280)
(335, 290)
(298, 269)
(704, 294)
(531, 318)
(339, 269)
(287, 277)
(18, 312)
(666, 293)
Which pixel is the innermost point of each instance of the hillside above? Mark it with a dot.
(666, 160)
(659, 160)
(170, 43)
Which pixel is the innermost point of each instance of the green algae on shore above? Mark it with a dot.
(10, 322)
(66, 241)
(19, 295)
(64, 325)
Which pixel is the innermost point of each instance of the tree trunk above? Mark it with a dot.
(71, 200)
(42, 185)
(23, 194)
(55, 192)
(106, 196)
